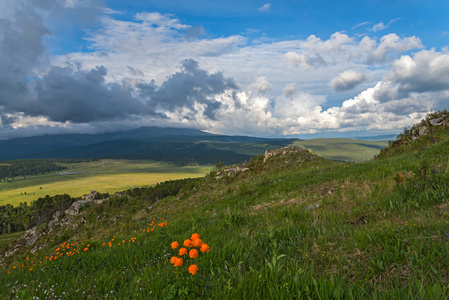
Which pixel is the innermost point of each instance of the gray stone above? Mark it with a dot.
(312, 206)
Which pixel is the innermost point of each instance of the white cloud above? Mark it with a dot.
(360, 25)
(264, 8)
(305, 61)
(290, 90)
(378, 27)
(261, 84)
(347, 80)
(389, 44)
(381, 26)
(426, 71)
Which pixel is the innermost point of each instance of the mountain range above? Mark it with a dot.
(177, 145)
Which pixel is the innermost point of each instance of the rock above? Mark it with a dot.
(54, 221)
(283, 152)
(75, 208)
(312, 206)
(231, 171)
(422, 128)
(116, 218)
(440, 121)
(93, 195)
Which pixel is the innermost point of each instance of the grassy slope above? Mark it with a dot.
(103, 176)
(341, 149)
(376, 234)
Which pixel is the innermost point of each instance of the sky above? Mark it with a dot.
(285, 68)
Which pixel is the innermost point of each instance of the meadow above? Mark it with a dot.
(104, 175)
(342, 149)
(296, 226)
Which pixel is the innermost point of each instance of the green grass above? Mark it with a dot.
(103, 176)
(341, 149)
(5, 239)
(295, 227)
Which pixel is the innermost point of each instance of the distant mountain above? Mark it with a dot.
(170, 144)
(22, 147)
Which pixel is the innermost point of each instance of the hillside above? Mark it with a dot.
(289, 224)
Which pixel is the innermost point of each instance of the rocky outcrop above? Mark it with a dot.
(231, 171)
(29, 238)
(284, 152)
(93, 195)
(75, 208)
(422, 128)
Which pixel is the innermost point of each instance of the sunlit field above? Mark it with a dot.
(103, 176)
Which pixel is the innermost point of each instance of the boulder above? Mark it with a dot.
(93, 195)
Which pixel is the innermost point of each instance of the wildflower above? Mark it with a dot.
(31, 269)
(188, 243)
(173, 260)
(197, 242)
(178, 262)
(85, 249)
(174, 245)
(195, 236)
(204, 248)
(193, 269)
(193, 253)
(183, 251)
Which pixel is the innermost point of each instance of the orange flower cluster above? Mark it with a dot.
(194, 242)
(162, 224)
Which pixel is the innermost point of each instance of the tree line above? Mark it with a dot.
(32, 167)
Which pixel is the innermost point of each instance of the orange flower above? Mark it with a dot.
(182, 251)
(197, 242)
(193, 269)
(173, 260)
(31, 269)
(178, 262)
(174, 245)
(193, 253)
(188, 243)
(204, 248)
(85, 249)
(195, 236)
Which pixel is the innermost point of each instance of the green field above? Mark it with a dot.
(103, 176)
(340, 149)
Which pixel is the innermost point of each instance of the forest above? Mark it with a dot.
(32, 167)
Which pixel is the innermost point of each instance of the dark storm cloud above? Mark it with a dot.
(65, 94)
(7, 120)
(191, 85)
(74, 94)
(20, 50)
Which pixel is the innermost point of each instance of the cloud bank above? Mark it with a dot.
(155, 70)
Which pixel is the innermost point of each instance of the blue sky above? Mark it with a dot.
(279, 68)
